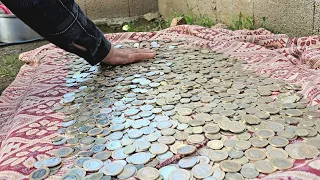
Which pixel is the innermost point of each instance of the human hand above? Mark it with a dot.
(125, 56)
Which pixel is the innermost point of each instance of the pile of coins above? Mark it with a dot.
(189, 113)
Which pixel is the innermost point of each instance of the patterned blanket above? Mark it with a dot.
(27, 123)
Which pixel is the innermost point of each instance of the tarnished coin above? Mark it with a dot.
(41, 173)
(201, 171)
(230, 166)
(179, 174)
(63, 152)
(148, 173)
(281, 163)
(92, 165)
(112, 169)
(255, 154)
(308, 151)
(264, 166)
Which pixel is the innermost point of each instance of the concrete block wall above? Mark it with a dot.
(293, 17)
(99, 9)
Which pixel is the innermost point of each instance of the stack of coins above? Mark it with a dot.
(189, 113)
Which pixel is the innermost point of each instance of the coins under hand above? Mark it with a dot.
(188, 106)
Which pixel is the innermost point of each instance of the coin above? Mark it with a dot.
(201, 171)
(278, 141)
(94, 176)
(157, 148)
(281, 163)
(41, 173)
(63, 152)
(241, 145)
(70, 176)
(148, 173)
(195, 139)
(308, 151)
(215, 144)
(166, 171)
(179, 174)
(218, 155)
(186, 149)
(112, 169)
(188, 162)
(264, 133)
(255, 154)
(230, 176)
(248, 171)
(276, 153)
(264, 166)
(230, 166)
(128, 171)
(258, 142)
(92, 165)
(140, 158)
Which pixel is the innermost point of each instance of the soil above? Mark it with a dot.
(7, 51)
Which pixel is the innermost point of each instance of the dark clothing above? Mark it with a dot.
(62, 22)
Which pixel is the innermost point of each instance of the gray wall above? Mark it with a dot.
(97, 9)
(293, 17)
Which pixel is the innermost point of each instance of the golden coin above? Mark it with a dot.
(218, 155)
(281, 163)
(215, 144)
(264, 166)
(186, 149)
(241, 145)
(148, 173)
(278, 141)
(201, 171)
(308, 151)
(179, 174)
(41, 173)
(230, 166)
(63, 152)
(264, 133)
(255, 154)
(112, 169)
(258, 142)
(195, 139)
(188, 162)
(158, 148)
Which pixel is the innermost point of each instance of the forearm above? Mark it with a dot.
(64, 24)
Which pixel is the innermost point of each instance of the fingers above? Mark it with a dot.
(140, 56)
(142, 51)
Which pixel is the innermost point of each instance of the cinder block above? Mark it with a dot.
(316, 28)
(97, 9)
(168, 8)
(229, 10)
(141, 7)
(82, 4)
(293, 17)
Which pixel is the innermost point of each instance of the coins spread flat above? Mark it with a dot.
(188, 113)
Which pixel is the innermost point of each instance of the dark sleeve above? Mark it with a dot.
(62, 22)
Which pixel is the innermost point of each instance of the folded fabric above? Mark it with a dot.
(4, 9)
